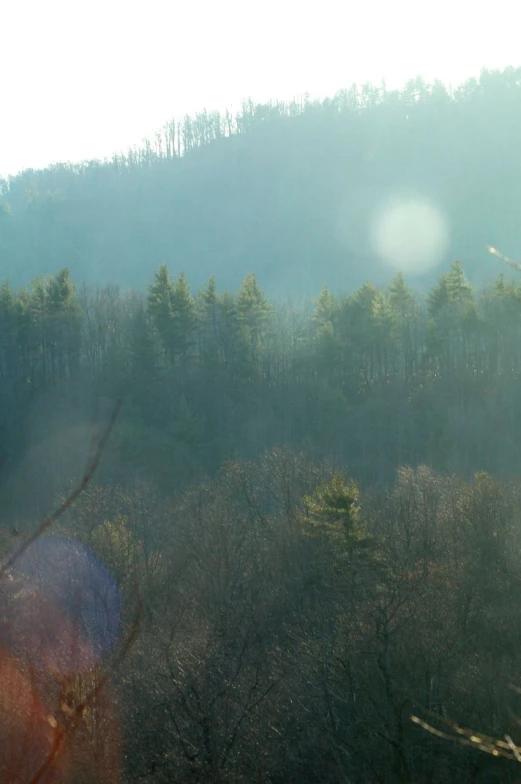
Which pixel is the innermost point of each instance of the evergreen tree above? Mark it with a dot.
(207, 307)
(333, 512)
(183, 318)
(326, 308)
(405, 325)
(160, 307)
(253, 310)
(325, 319)
(230, 328)
(64, 323)
(453, 322)
(144, 370)
(400, 296)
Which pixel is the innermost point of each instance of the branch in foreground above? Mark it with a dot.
(500, 256)
(64, 733)
(72, 725)
(87, 477)
(464, 737)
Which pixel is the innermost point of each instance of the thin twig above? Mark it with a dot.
(80, 709)
(464, 737)
(496, 252)
(87, 477)
(72, 725)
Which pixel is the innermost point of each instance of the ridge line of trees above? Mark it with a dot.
(376, 379)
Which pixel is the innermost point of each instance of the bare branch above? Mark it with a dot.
(495, 252)
(87, 477)
(80, 709)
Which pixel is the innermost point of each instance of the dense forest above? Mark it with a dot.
(293, 522)
(319, 509)
(372, 381)
(288, 190)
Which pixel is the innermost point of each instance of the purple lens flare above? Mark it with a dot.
(61, 606)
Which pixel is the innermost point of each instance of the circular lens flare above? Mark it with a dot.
(61, 606)
(411, 235)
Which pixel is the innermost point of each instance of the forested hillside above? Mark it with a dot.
(289, 191)
(372, 381)
(287, 545)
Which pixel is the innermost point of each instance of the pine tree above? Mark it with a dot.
(453, 322)
(39, 332)
(326, 307)
(400, 296)
(207, 308)
(64, 323)
(229, 328)
(333, 512)
(405, 317)
(209, 295)
(458, 287)
(325, 320)
(367, 324)
(183, 318)
(438, 297)
(160, 308)
(60, 291)
(253, 310)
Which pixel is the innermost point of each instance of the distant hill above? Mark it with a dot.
(286, 190)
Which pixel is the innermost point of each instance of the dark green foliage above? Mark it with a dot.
(334, 508)
(160, 307)
(374, 379)
(296, 606)
(319, 503)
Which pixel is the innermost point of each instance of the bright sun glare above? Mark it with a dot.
(411, 235)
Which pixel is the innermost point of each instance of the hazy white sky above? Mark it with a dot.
(84, 79)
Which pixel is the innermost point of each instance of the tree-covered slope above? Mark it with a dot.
(290, 191)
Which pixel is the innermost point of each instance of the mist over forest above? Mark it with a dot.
(290, 191)
(306, 515)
